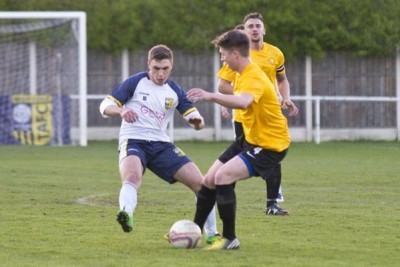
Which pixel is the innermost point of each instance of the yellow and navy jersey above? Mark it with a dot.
(264, 125)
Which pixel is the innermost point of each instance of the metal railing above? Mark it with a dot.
(317, 116)
(313, 116)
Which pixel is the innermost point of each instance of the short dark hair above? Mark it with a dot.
(239, 27)
(160, 52)
(234, 40)
(254, 15)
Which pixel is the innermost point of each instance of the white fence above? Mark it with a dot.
(312, 130)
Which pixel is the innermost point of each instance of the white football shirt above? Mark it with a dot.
(154, 104)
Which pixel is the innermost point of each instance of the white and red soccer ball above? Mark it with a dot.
(184, 234)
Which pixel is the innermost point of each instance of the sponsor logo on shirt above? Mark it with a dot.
(150, 113)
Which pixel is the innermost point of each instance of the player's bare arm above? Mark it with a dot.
(225, 87)
(126, 114)
(284, 90)
(225, 113)
(241, 101)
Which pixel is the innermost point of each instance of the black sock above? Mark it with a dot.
(205, 203)
(273, 183)
(226, 202)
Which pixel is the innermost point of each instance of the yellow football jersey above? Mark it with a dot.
(226, 73)
(264, 125)
(270, 59)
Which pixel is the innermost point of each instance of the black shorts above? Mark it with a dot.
(238, 129)
(233, 150)
(260, 161)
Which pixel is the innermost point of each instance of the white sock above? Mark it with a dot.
(128, 197)
(210, 226)
(280, 190)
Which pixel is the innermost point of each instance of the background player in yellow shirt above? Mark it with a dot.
(271, 60)
(263, 146)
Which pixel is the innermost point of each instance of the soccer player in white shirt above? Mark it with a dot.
(146, 102)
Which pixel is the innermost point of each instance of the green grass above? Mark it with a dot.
(343, 198)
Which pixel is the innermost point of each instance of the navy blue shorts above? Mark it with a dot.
(162, 158)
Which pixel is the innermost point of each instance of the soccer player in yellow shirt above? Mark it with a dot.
(271, 60)
(263, 146)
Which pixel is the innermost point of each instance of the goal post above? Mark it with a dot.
(43, 78)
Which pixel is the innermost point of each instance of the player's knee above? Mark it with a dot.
(222, 178)
(209, 181)
(132, 178)
(195, 187)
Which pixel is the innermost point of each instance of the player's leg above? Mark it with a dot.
(273, 186)
(225, 177)
(210, 226)
(190, 175)
(207, 199)
(273, 183)
(131, 171)
(171, 164)
(280, 195)
(267, 164)
(277, 177)
(131, 174)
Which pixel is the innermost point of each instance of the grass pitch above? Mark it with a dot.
(58, 207)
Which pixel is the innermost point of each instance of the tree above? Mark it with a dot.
(307, 27)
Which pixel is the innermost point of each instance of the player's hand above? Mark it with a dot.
(197, 122)
(289, 105)
(225, 113)
(129, 115)
(197, 94)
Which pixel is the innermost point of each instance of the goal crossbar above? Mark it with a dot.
(82, 44)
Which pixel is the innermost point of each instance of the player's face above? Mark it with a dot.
(229, 57)
(159, 70)
(255, 29)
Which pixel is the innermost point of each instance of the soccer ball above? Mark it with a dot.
(184, 234)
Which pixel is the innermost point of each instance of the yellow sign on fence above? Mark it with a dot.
(32, 119)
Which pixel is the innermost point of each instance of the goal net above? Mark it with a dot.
(43, 78)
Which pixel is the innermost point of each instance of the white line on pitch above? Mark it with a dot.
(88, 200)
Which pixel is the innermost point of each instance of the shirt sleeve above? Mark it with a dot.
(125, 90)
(226, 73)
(280, 63)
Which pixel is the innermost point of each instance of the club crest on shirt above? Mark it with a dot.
(169, 101)
(271, 61)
